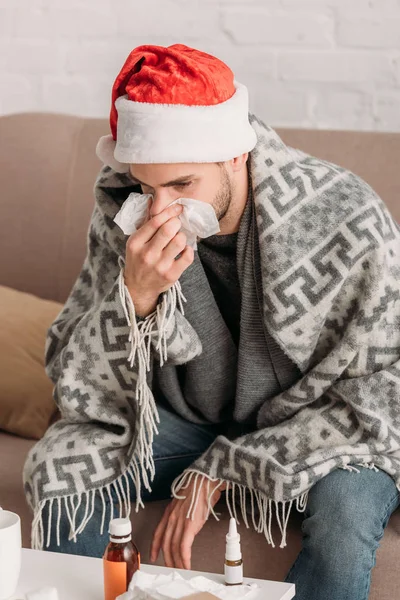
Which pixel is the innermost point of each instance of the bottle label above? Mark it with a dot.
(115, 579)
(234, 574)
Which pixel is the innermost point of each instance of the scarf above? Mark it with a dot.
(329, 298)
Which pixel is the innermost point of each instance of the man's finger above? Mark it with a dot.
(176, 542)
(149, 203)
(148, 230)
(158, 534)
(186, 545)
(167, 539)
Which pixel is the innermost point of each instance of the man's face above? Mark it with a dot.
(207, 182)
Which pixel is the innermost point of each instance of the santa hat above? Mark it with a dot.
(173, 105)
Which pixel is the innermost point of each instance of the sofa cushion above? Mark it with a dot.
(26, 403)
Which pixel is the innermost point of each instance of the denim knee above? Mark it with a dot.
(346, 516)
(354, 499)
(333, 539)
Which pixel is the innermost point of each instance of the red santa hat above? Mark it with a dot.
(173, 105)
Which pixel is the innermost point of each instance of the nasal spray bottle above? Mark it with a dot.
(233, 556)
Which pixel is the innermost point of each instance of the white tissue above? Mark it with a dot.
(44, 593)
(144, 586)
(198, 218)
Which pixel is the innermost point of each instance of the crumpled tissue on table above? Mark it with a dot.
(44, 593)
(145, 586)
(198, 218)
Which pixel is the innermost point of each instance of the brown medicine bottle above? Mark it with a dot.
(121, 559)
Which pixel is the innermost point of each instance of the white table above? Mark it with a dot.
(81, 577)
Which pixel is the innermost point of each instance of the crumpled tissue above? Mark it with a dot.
(44, 593)
(145, 586)
(198, 218)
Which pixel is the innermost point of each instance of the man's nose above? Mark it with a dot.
(160, 200)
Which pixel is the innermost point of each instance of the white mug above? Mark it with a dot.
(10, 552)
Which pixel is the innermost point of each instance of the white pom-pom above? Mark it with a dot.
(105, 151)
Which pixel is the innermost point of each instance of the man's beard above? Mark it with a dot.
(224, 196)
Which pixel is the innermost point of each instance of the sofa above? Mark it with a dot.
(47, 171)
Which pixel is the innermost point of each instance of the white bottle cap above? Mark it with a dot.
(120, 529)
(232, 551)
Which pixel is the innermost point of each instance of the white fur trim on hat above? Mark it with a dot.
(174, 133)
(105, 151)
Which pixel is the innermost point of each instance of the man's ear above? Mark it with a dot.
(239, 162)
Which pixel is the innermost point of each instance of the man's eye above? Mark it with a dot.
(183, 185)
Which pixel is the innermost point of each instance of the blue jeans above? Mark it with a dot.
(345, 518)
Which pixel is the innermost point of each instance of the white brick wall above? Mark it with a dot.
(308, 63)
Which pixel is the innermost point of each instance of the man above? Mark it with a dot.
(265, 364)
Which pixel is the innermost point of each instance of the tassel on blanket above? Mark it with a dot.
(366, 465)
(237, 494)
(241, 495)
(69, 505)
(155, 325)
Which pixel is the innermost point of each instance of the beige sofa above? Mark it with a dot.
(47, 171)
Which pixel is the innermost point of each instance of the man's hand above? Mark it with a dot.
(152, 266)
(175, 533)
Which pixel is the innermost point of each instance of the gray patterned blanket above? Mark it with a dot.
(330, 269)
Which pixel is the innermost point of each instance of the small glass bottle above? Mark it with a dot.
(121, 559)
(233, 556)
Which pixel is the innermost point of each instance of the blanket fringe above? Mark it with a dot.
(155, 325)
(240, 495)
(141, 469)
(353, 468)
(70, 505)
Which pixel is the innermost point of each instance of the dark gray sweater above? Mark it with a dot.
(228, 370)
(218, 257)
